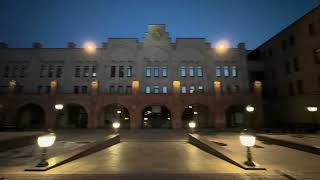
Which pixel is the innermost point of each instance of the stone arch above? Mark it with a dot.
(30, 116)
(114, 112)
(156, 115)
(235, 115)
(73, 115)
(197, 112)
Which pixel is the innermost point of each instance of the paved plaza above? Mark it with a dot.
(159, 154)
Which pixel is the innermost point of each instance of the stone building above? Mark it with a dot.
(155, 83)
(291, 80)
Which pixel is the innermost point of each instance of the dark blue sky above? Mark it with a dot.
(55, 22)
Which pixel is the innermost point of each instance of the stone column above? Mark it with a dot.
(176, 113)
(135, 117)
(219, 115)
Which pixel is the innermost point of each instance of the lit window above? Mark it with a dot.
(129, 71)
(183, 71)
(164, 90)
(226, 71)
(183, 89)
(191, 89)
(77, 71)
(156, 71)
(234, 71)
(148, 89)
(94, 71)
(156, 89)
(164, 71)
(86, 71)
(121, 73)
(218, 71)
(148, 71)
(200, 89)
(199, 71)
(191, 71)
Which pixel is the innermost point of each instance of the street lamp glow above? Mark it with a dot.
(126, 118)
(46, 140)
(116, 125)
(192, 124)
(58, 106)
(145, 118)
(250, 108)
(247, 140)
(90, 47)
(312, 109)
(190, 107)
(222, 46)
(169, 118)
(118, 112)
(195, 112)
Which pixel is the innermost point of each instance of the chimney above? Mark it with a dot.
(3, 45)
(72, 45)
(37, 45)
(242, 45)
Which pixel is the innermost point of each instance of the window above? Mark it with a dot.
(94, 71)
(121, 71)
(164, 90)
(191, 71)
(317, 55)
(296, 64)
(234, 71)
(299, 87)
(148, 71)
(284, 45)
(76, 89)
(183, 89)
(156, 71)
(42, 70)
(111, 89)
(129, 71)
(191, 89)
(59, 71)
(292, 40)
(183, 71)
(50, 72)
(290, 88)
(39, 89)
(199, 71)
(120, 89)
(23, 71)
(113, 71)
(311, 29)
(200, 89)
(14, 70)
(218, 71)
(226, 71)
(164, 71)
(156, 89)
(84, 89)
(77, 71)
(128, 90)
(86, 71)
(288, 69)
(6, 71)
(148, 89)
(236, 88)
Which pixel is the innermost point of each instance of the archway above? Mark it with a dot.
(156, 116)
(235, 116)
(30, 117)
(72, 116)
(195, 112)
(112, 113)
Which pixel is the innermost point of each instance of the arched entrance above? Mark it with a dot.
(195, 112)
(72, 116)
(156, 116)
(30, 117)
(235, 116)
(112, 113)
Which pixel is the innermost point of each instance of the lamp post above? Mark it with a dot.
(45, 142)
(58, 108)
(116, 125)
(313, 110)
(250, 109)
(192, 125)
(248, 141)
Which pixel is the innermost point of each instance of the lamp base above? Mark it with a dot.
(42, 164)
(250, 163)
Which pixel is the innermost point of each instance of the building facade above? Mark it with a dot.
(156, 83)
(292, 71)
